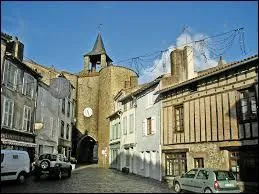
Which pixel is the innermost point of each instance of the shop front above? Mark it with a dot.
(14, 140)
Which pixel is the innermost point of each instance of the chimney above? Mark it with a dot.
(133, 81)
(221, 61)
(182, 64)
(15, 47)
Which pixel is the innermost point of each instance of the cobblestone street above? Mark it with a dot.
(89, 179)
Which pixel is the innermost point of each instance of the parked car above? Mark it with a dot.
(15, 165)
(55, 165)
(205, 180)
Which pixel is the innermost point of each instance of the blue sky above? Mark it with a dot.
(60, 33)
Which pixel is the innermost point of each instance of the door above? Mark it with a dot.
(187, 180)
(200, 181)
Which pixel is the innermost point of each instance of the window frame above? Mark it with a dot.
(149, 126)
(28, 85)
(67, 131)
(63, 105)
(10, 103)
(8, 73)
(179, 128)
(247, 98)
(27, 119)
(62, 128)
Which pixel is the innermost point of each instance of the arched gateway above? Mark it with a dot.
(87, 150)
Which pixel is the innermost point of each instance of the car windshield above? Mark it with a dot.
(48, 156)
(224, 175)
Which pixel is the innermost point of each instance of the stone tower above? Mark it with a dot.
(95, 90)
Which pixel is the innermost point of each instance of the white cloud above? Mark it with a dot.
(202, 57)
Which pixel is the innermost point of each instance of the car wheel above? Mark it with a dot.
(177, 187)
(207, 190)
(59, 174)
(21, 178)
(69, 173)
(45, 164)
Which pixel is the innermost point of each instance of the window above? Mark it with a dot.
(10, 73)
(223, 175)
(179, 118)
(198, 163)
(175, 164)
(2, 158)
(125, 107)
(67, 134)
(191, 174)
(27, 118)
(202, 174)
(8, 112)
(63, 105)
(131, 123)
(149, 126)
(125, 125)
(28, 85)
(131, 104)
(62, 129)
(248, 107)
(68, 108)
(117, 131)
(15, 156)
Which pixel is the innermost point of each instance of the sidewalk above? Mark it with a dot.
(82, 166)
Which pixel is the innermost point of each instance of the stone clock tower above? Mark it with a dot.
(95, 92)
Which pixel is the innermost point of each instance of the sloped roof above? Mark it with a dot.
(98, 48)
(209, 72)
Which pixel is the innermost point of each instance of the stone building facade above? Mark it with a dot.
(211, 120)
(94, 89)
(47, 112)
(18, 98)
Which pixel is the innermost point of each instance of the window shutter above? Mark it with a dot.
(144, 127)
(5, 74)
(34, 88)
(19, 80)
(153, 125)
(24, 83)
(11, 113)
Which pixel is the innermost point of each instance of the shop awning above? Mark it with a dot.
(17, 143)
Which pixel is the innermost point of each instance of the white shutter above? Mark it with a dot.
(34, 88)
(144, 127)
(24, 83)
(5, 74)
(153, 125)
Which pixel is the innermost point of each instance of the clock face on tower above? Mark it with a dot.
(88, 112)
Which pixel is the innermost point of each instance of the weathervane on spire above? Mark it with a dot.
(99, 28)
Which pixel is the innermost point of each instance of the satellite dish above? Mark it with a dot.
(60, 87)
(88, 112)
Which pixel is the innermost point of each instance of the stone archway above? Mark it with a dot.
(87, 150)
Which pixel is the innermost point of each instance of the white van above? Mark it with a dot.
(15, 165)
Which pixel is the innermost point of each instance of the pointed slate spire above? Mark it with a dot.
(98, 47)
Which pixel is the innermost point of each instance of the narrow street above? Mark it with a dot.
(89, 179)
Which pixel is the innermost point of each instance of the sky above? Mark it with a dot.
(59, 33)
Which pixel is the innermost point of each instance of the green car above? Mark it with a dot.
(206, 180)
